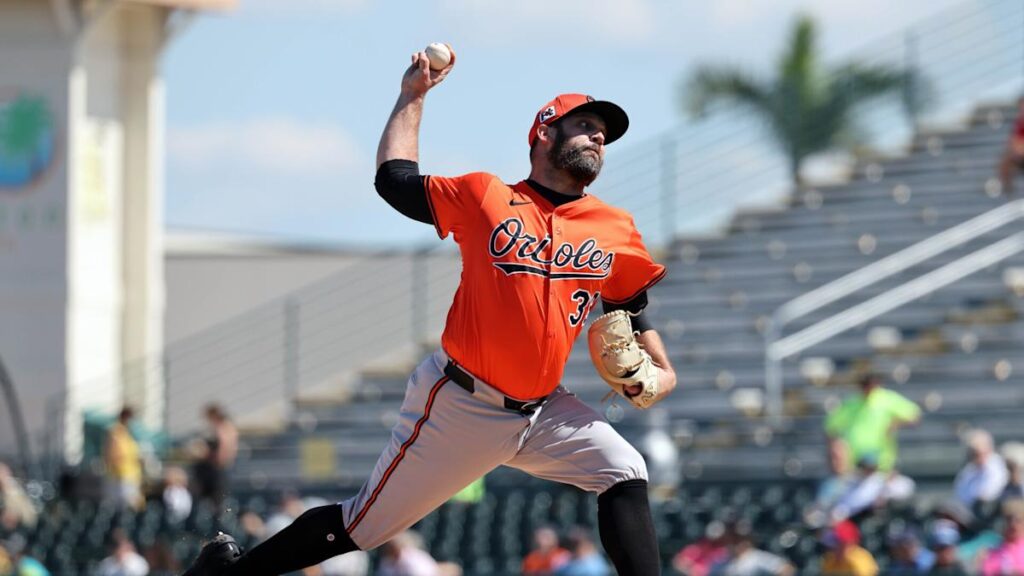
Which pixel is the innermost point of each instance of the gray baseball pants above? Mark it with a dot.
(447, 437)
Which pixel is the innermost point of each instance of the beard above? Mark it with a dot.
(581, 166)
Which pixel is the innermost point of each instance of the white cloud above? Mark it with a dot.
(271, 175)
(600, 22)
(279, 145)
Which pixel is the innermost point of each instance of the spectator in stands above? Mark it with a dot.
(16, 508)
(845, 557)
(984, 476)
(585, 560)
(14, 561)
(254, 530)
(973, 543)
(404, 555)
(832, 487)
(744, 559)
(449, 569)
(6, 562)
(944, 537)
(177, 499)
(161, 559)
(473, 493)
(868, 421)
(1013, 154)
(217, 456)
(289, 507)
(696, 559)
(1008, 558)
(124, 463)
(123, 559)
(546, 556)
(906, 554)
(1013, 455)
(869, 489)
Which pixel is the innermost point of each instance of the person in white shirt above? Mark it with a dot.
(985, 475)
(124, 560)
(404, 555)
(745, 559)
(871, 488)
(177, 499)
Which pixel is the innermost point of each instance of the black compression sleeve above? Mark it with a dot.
(635, 306)
(399, 183)
(627, 529)
(315, 536)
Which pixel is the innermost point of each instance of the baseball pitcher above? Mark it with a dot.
(537, 256)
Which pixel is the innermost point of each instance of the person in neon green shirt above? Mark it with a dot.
(867, 422)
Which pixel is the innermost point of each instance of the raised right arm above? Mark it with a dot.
(400, 140)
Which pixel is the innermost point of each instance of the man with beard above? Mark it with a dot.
(537, 256)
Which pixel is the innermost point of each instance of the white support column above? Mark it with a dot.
(142, 226)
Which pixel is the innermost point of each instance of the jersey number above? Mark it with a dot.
(584, 302)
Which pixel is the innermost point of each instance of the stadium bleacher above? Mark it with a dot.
(712, 307)
(956, 352)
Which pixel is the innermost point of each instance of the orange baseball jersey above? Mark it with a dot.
(531, 272)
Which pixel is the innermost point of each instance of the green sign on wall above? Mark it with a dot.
(26, 140)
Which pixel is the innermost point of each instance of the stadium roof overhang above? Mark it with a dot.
(190, 4)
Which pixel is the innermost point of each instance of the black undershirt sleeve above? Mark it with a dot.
(399, 183)
(636, 309)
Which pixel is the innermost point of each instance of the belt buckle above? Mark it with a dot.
(530, 407)
(525, 408)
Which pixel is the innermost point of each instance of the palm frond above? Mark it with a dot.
(709, 85)
(799, 62)
(805, 109)
(858, 84)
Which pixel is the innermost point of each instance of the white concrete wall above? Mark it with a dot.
(208, 286)
(35, 58)
(81, 290)
(250, 328)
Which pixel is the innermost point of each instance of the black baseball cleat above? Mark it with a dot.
(215, 556)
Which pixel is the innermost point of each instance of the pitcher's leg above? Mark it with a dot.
(571, 443)
(444, 440)
(315, 536)
(627, 529)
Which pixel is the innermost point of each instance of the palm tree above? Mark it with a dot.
(806, 108)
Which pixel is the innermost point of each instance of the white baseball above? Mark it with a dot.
(439, 55)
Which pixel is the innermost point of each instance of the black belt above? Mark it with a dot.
(465, 381)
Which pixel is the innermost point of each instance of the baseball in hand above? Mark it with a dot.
(439, 55)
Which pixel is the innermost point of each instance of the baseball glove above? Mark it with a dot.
(620, 360)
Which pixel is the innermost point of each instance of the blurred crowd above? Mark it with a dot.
(974, 526)
(211, 455)
(124, 483)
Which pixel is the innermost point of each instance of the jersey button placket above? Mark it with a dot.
(554, 309)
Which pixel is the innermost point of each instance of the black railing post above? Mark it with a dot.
(669, 188)
(17, 422)
(420, 284)
(291, 351)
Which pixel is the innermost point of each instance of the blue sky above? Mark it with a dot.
(274, 109)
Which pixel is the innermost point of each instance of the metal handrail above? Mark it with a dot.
(778, 348)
